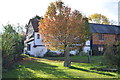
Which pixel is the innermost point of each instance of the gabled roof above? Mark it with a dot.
(118, 29)
(103, 28)
(35, 24)
(94, 28)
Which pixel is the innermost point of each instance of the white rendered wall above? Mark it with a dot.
(38, 50)
(38, 41)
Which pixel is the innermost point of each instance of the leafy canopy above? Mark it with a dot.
(98, 18)
(12, 45)
(61, 26)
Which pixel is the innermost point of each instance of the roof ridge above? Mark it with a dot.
(103, 24)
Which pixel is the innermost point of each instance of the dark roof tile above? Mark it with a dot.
(35, 24)
(103, 28)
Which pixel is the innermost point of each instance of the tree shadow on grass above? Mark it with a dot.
(20, 72)
(48, 69)
(29, 71)
(62, 59)
(72, 67)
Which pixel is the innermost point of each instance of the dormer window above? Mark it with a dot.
(38, 36)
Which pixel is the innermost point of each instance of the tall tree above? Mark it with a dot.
(99, 18)
(62, 28)
(12, 46)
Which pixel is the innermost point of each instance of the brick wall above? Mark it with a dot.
(118, 37)
(108, 38)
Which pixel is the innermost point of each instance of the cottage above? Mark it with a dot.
(102, 35)
(34, 43)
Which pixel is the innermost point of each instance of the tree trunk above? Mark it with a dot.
(89, 58)
(67, 62)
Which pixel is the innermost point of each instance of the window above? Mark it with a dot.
(28, 47)
(100, 48)
(101, 36)
(42, 40)
(117, 37)
(38, 36)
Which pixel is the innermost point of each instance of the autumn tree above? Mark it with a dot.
(62, 28)
(98, 18)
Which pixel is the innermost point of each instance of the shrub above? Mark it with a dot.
(61, 55)
(94, 52)
(51, 54)
(12, 46)
(83, 53)
(112, 56)
(72, 55)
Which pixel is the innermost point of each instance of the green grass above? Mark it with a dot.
(45, 68)
(95, 60)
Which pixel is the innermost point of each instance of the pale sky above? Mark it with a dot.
(20, 11)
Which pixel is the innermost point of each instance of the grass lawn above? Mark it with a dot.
(45, 68)
(94, 59)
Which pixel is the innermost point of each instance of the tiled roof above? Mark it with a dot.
(103, 28)
(118, 29)
(35, 24)
(94, 28)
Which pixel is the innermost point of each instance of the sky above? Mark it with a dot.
(20, 11)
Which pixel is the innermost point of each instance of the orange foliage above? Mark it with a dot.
(61, 26)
